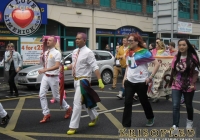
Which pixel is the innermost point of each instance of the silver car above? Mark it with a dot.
(30, 77)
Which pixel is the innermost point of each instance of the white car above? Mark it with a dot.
(105, 60)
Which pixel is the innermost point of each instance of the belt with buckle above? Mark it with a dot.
(78, 78)
(48, 75)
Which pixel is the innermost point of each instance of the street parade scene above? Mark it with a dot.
(99, 70)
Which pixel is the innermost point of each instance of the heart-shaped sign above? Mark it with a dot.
(22, 17)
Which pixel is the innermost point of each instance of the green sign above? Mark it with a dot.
(70, 43)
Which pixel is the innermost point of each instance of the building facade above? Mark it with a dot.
(104, 21)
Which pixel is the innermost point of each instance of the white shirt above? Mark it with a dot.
(86, 62)
(136, 74)
(54, 56)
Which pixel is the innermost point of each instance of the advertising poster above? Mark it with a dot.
(160, 82)
(31, 48)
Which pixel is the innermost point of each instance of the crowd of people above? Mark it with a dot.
(131, 61)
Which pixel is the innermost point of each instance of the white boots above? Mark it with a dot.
(189, 124)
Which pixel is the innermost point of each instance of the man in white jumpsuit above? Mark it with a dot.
(51, 79)
(4, 115)
(83, 63)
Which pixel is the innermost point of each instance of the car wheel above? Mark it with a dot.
(106, 77)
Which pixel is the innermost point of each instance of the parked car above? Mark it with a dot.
(105, 60)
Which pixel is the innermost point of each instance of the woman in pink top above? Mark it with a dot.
(183, 79)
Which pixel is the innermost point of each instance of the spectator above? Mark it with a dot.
(14, 61)
(107, 48)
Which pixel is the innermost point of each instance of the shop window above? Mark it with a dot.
(129, 5)
(195, 10)
(52, 28)
(105, 3)
(78, 1)
(184, 9)
(149, 7)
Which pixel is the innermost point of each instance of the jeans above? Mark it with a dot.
(11, 81)
(130, 90)
(176, 97)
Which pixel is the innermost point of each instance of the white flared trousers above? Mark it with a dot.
(53, 83)
(3, 113)
(77, 108)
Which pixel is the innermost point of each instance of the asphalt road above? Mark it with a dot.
(25, 112)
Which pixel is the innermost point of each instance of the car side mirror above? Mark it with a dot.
(68, 62)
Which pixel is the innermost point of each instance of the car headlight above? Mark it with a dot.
(33, 73)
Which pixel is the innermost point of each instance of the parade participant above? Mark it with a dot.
(51, 79)
(136, 78)
(172, 49)
(160, 49)
(4, 115)
(184, 75)
(83, 63)
(14, 65)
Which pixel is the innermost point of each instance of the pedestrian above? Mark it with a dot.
(184, 75)
(136, 79)
(83, 63)
(13, 62)
(4, 115)
(172, 49)
(51, 79)
(116, 69)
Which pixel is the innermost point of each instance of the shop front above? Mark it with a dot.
(114, 37)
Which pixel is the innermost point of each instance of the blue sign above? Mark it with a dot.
(42, 6)
(104, 31)
(126, 30)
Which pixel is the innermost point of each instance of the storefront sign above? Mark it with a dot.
(184, 27)
(126, 30)
(160, 82)
(22, 17)
(42, 6)
(105, 32)
(31, 49)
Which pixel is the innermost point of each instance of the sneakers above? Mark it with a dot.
(150, 122)
(120, 95)
(175, 131)
(189, 124)
(155, 100)
(112, 88)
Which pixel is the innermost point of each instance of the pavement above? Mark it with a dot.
(25, 112)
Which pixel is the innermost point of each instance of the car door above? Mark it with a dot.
(68, 73)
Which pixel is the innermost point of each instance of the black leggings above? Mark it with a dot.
(11, 81)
